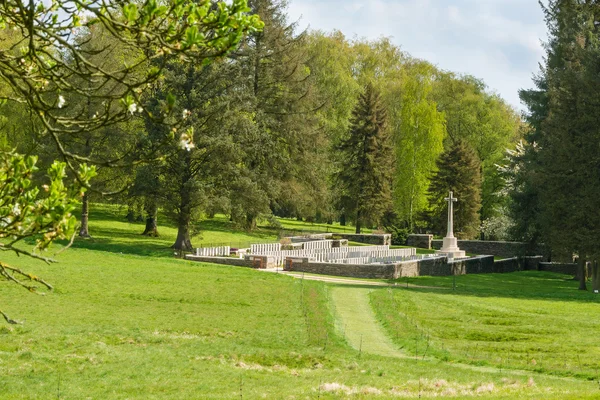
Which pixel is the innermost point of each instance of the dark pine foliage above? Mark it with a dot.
(365, 175)
(458, 171)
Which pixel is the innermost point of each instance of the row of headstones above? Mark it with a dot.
(265, 247)
(377, 256)
(326, 255)
(343, 251)
(317, 244)
(213, 251)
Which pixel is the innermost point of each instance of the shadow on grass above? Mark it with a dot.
(526, 285)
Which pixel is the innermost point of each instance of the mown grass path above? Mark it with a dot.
(357, 321)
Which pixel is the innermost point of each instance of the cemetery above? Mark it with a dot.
(272, 199)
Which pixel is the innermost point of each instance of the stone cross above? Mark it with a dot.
(450, 200)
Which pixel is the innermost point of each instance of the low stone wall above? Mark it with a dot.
(559, 268)
(498, 249)
(507, 265)
(531, 263)
(434, 267)
(238, 262)
(384, 271)
(247, 261)
(473, 265)
(377, 239)
(420, 241)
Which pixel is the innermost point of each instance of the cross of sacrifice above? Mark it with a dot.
(451, 199)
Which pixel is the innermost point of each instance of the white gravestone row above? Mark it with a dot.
(318, 244)
(322, 253)
(264, 248)
(213, 251)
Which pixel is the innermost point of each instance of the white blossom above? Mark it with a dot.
(186, 113)
(132, 108)
(61, 101)
(185, 142)
(16, 210)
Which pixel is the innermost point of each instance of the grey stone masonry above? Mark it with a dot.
(238, 262)
(378, 239)
(559, 268)
(420, 241)
(498, 249)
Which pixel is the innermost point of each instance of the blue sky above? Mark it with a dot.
(498, 41)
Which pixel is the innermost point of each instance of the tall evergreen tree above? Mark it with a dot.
(366, 171)
(458, 171)
(566, 114)
(283, 148)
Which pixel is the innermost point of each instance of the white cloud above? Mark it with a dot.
(495, 40)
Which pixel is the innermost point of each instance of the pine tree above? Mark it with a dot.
(458, 171)
(566, 134)
(367, 168)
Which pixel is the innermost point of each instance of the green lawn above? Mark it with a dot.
(533, 321)
(111, 231)
(127, 320)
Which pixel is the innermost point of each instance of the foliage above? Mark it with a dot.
(419, 134)
(46, 66)
(458, 170)
(564, 113)
(366, 170)
(25, 214)
(484, 121)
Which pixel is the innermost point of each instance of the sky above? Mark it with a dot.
(499, 41)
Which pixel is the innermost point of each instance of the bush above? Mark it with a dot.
(399, 235)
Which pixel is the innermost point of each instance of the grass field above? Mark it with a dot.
(129, 321)
(533, 321)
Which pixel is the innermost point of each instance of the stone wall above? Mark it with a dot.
(498, 249)
(238, 262)
(473, 265)
(507, 265)
(439, 266)
(419, 241)
(377, 239)
(559, 268)
(384, 271)
(247, 261)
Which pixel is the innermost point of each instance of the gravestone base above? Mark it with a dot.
(450, 248)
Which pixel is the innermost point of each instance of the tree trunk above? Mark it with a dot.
(151, 222)
(595, 277)
(343, 220)
(183, 241)
(130, 214)
(358, 222)
(85, 207)
(250, 222)
(581, 273)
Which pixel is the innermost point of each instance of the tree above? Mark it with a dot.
(283, 146)
(564, 111)
(458, 170)
(419, 137)
(44, 65)
(24, 213)
(365, 174)
(486, 123)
